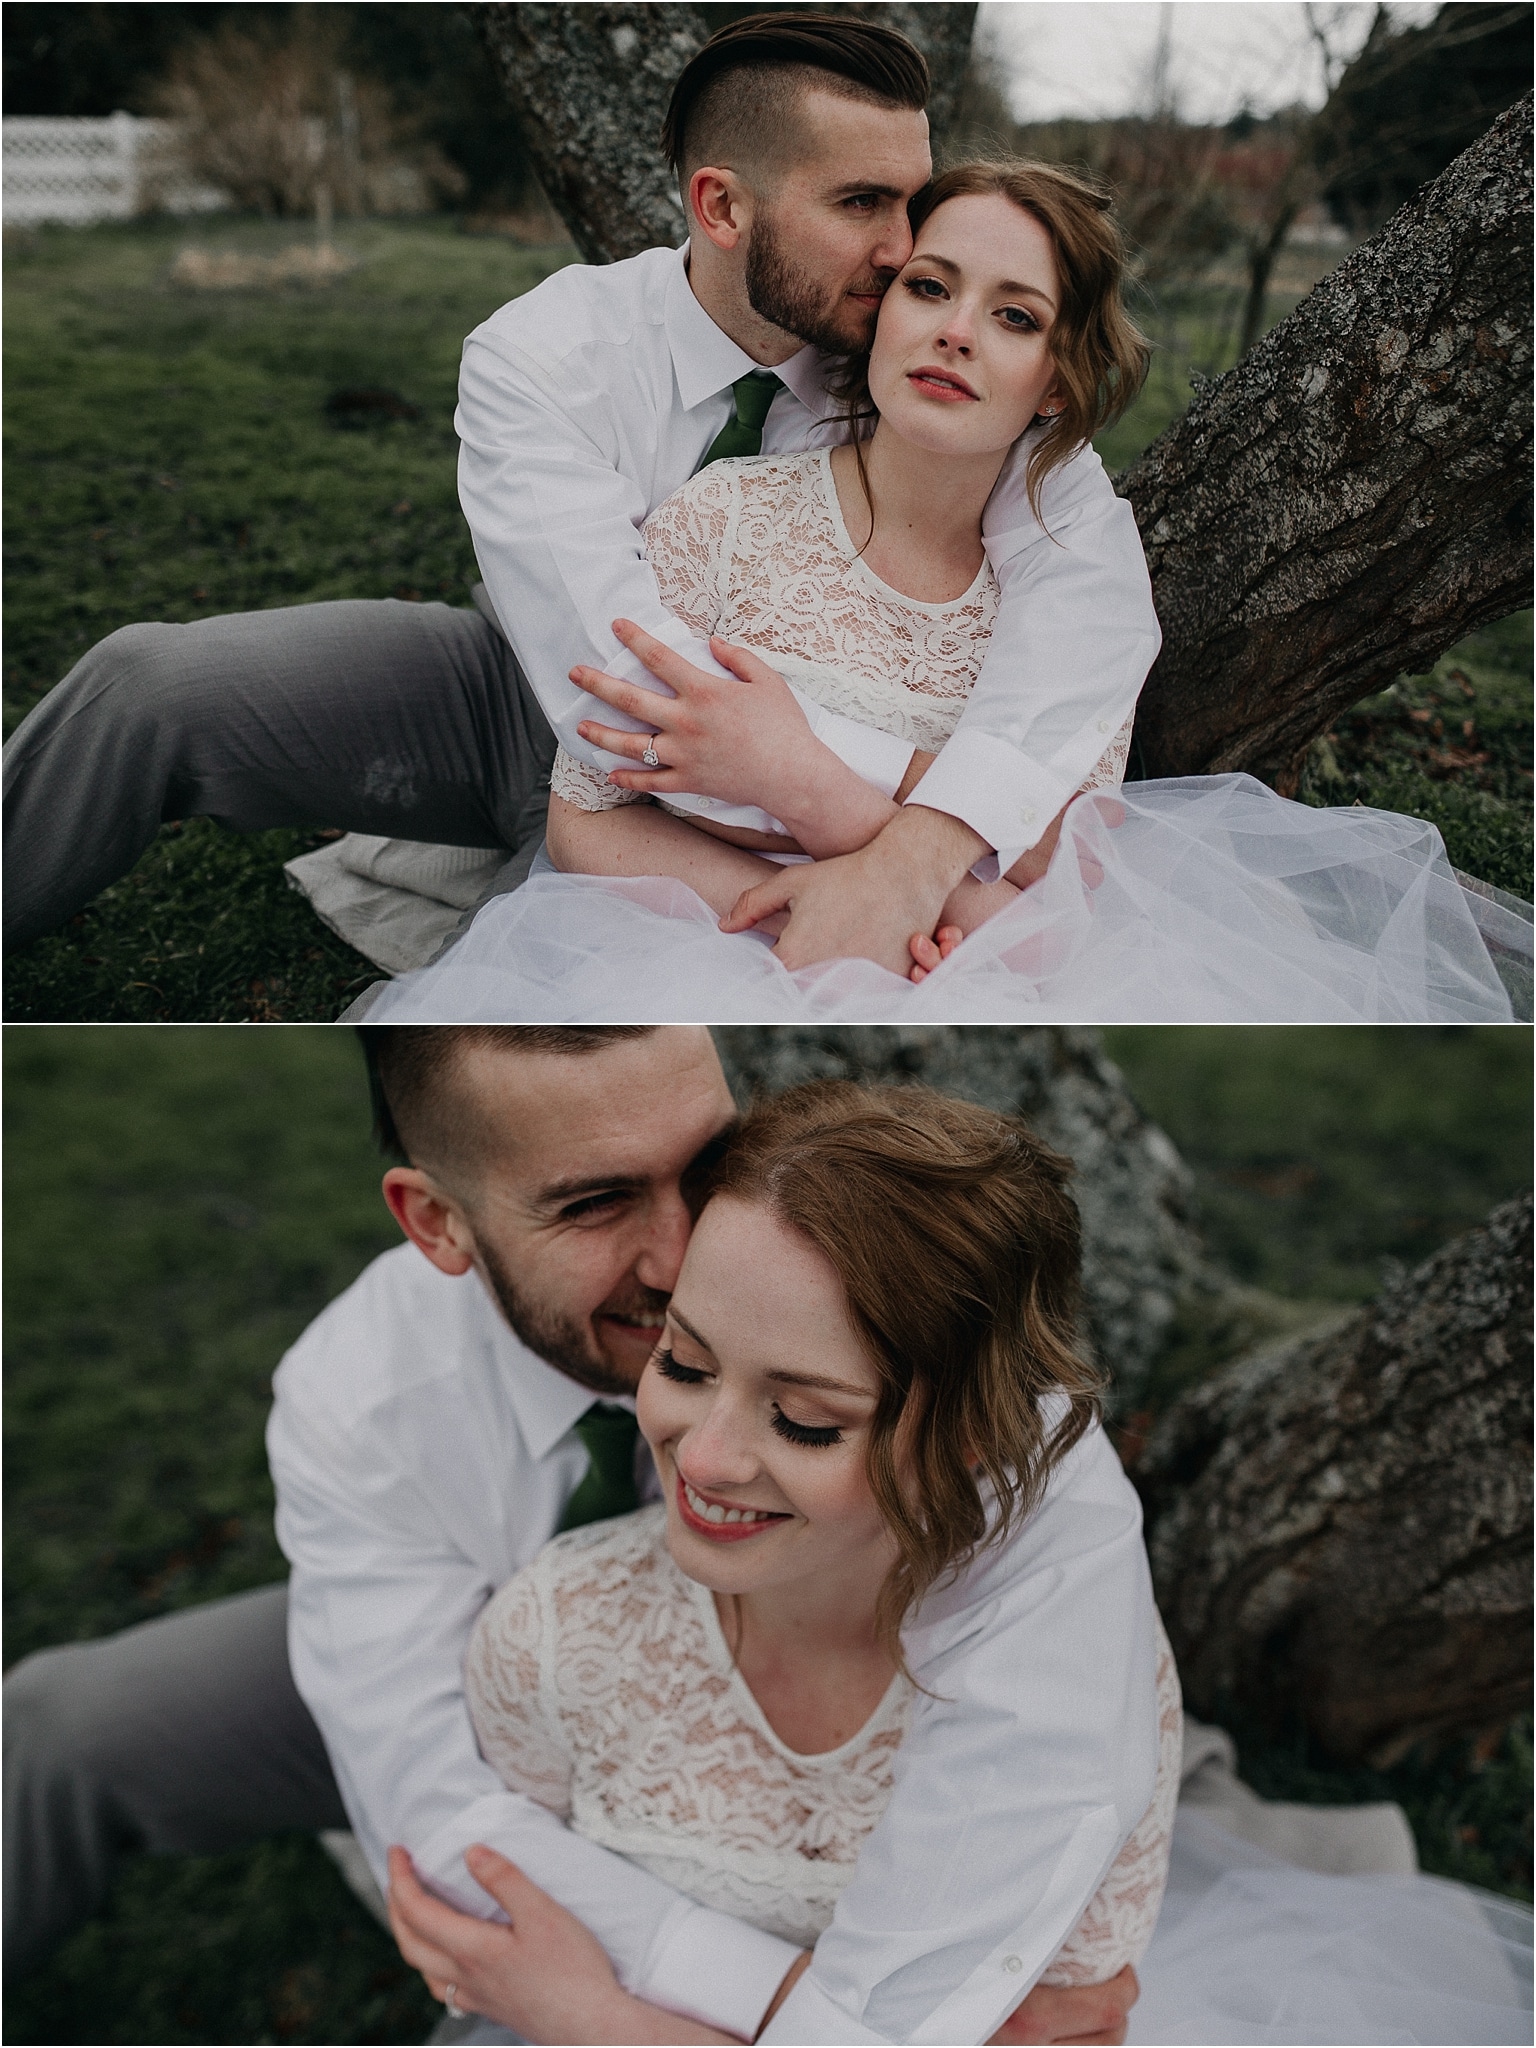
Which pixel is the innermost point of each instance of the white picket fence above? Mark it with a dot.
(78, 169)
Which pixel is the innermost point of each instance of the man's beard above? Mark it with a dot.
(779, 292)
(562, 1341)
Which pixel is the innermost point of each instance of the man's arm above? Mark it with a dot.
(556, 525)
(381, 1607)
(1031, 1756)
(1075, 635)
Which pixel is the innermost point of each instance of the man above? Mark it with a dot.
(799, 140)
(432, 1429)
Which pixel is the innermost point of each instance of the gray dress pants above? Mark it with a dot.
(184, 1734)
(413, 721)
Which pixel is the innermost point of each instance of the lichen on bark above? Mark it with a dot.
(1340, 1525)
(1354, 496)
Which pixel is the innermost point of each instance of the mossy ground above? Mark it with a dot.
(170, 457)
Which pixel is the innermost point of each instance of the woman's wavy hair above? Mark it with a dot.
(1101, 356)
(958, 1248)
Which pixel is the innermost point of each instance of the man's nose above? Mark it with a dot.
(668, 1224)
(894, 249)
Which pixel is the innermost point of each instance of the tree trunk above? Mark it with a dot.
(1140, 1250)
(1340, 1526)
(1354, 496)
(590, 86)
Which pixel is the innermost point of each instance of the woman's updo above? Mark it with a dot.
(957, 1245)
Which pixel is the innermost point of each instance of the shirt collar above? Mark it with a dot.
(546, 1403)
(704, 357)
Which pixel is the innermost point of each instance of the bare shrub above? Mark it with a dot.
(278, 123)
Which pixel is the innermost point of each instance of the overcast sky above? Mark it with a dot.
(1097, 57)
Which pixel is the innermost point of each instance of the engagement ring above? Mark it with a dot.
(650, 757)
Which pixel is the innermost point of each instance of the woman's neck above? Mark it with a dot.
(811, 1654)
(926, 540)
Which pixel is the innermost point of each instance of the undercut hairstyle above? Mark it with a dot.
(1100, 354)
(735, 101)
(418, 1113)
(959, 1251)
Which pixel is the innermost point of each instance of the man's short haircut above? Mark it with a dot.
(738, 93)
(410, 1069)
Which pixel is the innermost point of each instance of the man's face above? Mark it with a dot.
(830, 231)
(580, 1214)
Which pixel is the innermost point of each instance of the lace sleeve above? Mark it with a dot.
(588, 788)
(685, 543)
(1118, 1924)
(1109, 769)
(504, 1673)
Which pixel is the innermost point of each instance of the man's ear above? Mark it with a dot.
(719, 207)
(433, 1221)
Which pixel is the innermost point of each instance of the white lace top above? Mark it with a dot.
(601, 1685)
(755, 549)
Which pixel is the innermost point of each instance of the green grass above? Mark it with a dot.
(170, 458)
(182, 1202)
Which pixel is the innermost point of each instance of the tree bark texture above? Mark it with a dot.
(1140, 1248)
(590, 86)
(1340, 1525)
(1353, 497)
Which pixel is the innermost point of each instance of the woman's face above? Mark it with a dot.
(961, 362)
(757, 1407)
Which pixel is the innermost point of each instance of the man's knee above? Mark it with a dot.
(57, 1719)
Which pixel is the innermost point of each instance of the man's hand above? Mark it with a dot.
(544, 1976)
(742, 742)
(1088, 2014)
(866, 905)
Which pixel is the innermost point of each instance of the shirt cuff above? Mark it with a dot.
(998, 791)
(719, 1971)
(810, 2017)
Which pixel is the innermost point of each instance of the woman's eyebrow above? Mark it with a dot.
(1004, 284)
(816, 1379)
(683, 1324)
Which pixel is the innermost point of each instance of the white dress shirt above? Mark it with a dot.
(422, 1454)
(586, 402)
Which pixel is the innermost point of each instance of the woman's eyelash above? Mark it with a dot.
(803, 1433)
(670, 1369)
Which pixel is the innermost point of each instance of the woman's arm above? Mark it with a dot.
(641, 839)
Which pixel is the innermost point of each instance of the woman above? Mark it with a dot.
(866, 1375)
(716, 1687)
(860, 574)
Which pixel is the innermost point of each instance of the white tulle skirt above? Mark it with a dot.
(1250, 1949)
(1209, 899)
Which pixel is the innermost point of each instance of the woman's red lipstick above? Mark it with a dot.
(720, 1532)
(940, 383)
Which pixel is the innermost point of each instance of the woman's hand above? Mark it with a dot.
(543, 1976)
(742, 742)
(1087, 2015)
(969, 905)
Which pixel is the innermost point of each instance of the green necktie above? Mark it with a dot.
(610, 1435)
(742, 434)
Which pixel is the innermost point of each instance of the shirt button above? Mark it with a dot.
(1103, 725)
(1028, 817)
(1013, 1965)
(706, 803)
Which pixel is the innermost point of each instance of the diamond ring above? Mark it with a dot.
(650, 757)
